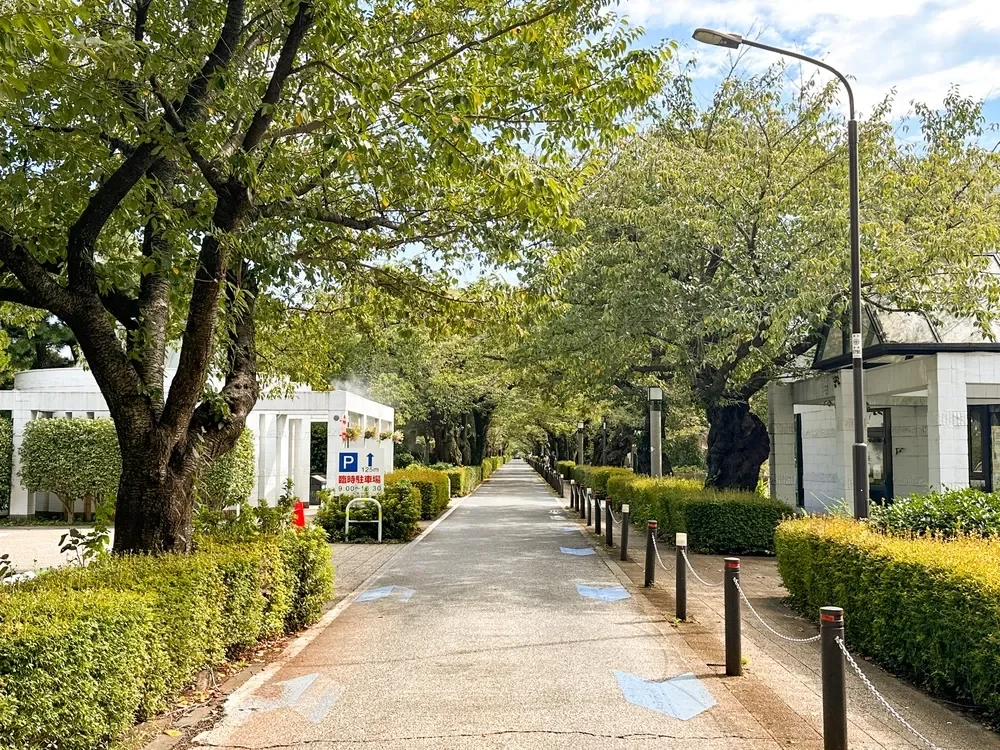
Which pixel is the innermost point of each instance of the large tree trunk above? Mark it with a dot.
(738, 446)
(155, 502)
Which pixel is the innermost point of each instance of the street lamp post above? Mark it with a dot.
(655, 446)
(860, 454)
(579, 443)
(604, 442)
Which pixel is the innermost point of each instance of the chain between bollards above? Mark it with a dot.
(650, 554)
(624, 542)
(734, 638)
(680, 578)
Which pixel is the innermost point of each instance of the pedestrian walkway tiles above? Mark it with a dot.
(604, 593)
(579, 551)
(682, 697)
(384, 591)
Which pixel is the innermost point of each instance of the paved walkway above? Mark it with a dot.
(485, 642)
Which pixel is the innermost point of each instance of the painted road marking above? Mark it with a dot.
(682, 697)
(578, 551)
(311, 696)
(565, 528)
(371, 595)
(603, 593)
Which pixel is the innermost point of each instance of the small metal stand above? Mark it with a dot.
(347, 516)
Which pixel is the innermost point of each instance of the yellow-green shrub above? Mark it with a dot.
(434, 486)
(464, 479)
(596, 477)
(924, 608)
(565, 469)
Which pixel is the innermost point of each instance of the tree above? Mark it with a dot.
(172, 171)
(31, 340)
(715, 252)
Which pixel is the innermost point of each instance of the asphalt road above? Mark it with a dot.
(485, 642)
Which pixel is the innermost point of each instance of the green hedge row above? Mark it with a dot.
(6, 463)
(964, 511)
(85, 652)
(491, 464)
(924, 608)
(434, 487)
(596, 477)
(464, 479)
(726, 522)
(401, 503)
(565, 469)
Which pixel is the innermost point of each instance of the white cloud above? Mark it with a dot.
(918, 47)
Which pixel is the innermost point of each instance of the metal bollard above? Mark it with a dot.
(624, 555)
(650, 554)
(609, 528)
(734, 639)
(572, 494)
(597, 516)
(581, 503)
(831, 627)
(681, 579)
(590, 505)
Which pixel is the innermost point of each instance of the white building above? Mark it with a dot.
(281, 428)
(933, 396)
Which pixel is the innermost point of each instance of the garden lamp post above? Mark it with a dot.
(579, 443)
(655, 446)
(860, 455)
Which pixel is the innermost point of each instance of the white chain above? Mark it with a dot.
(695, 573)
(743, 596)
(879, 697)
(657, 551)
(616, 519)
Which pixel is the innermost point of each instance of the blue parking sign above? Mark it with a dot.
(348, 462)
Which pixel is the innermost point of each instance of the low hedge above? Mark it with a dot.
(565, 469)
(924, 608)
(6, 463)
(84, 652)
(596, 477)
(716, 522)
(434, 487)
(401, 505)
(464, 479)
(964, 511)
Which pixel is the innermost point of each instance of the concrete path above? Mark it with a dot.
(476, 637)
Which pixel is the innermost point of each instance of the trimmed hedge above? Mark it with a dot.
(434, 487)
(6, 463)
(965, 511)
(400, 514)
(565, 469)
(84, 652)
(726, 522)
(596, 477)
(924, 608)
(464, 479)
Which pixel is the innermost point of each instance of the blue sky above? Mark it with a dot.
(918, 47)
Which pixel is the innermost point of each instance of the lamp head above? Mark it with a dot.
(655, 393)
(718, 38)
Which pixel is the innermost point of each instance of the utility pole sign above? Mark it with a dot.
(358, 474)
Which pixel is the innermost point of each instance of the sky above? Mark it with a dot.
(918, 47)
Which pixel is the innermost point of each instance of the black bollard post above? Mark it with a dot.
(609, 528)
(597, 516)
(650, 554)
(624, 555)
(572, 494)
(831, 627)
(590, 505)
(681, 580)
(734, 639)
(581, 503)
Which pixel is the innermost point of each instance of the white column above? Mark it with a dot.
(333, 443)
(255, 426)
(781, 427)
(299, 457)
(844, 463)
(22, 502)
(947, 423)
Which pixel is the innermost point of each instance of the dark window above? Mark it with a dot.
(979, 448)
(880, 455)
(800, 490)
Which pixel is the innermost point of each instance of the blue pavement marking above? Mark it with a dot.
(579, 551)
(380, 593)
(566, 528)
(604, 593)
(682, 697)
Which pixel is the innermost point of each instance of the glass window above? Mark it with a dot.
(977, 476)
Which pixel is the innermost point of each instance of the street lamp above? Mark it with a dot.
(655, 446)
(733, 41)
(604, 442)
(579, 443)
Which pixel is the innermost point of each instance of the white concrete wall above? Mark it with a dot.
(909, 446)
(822, 471)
